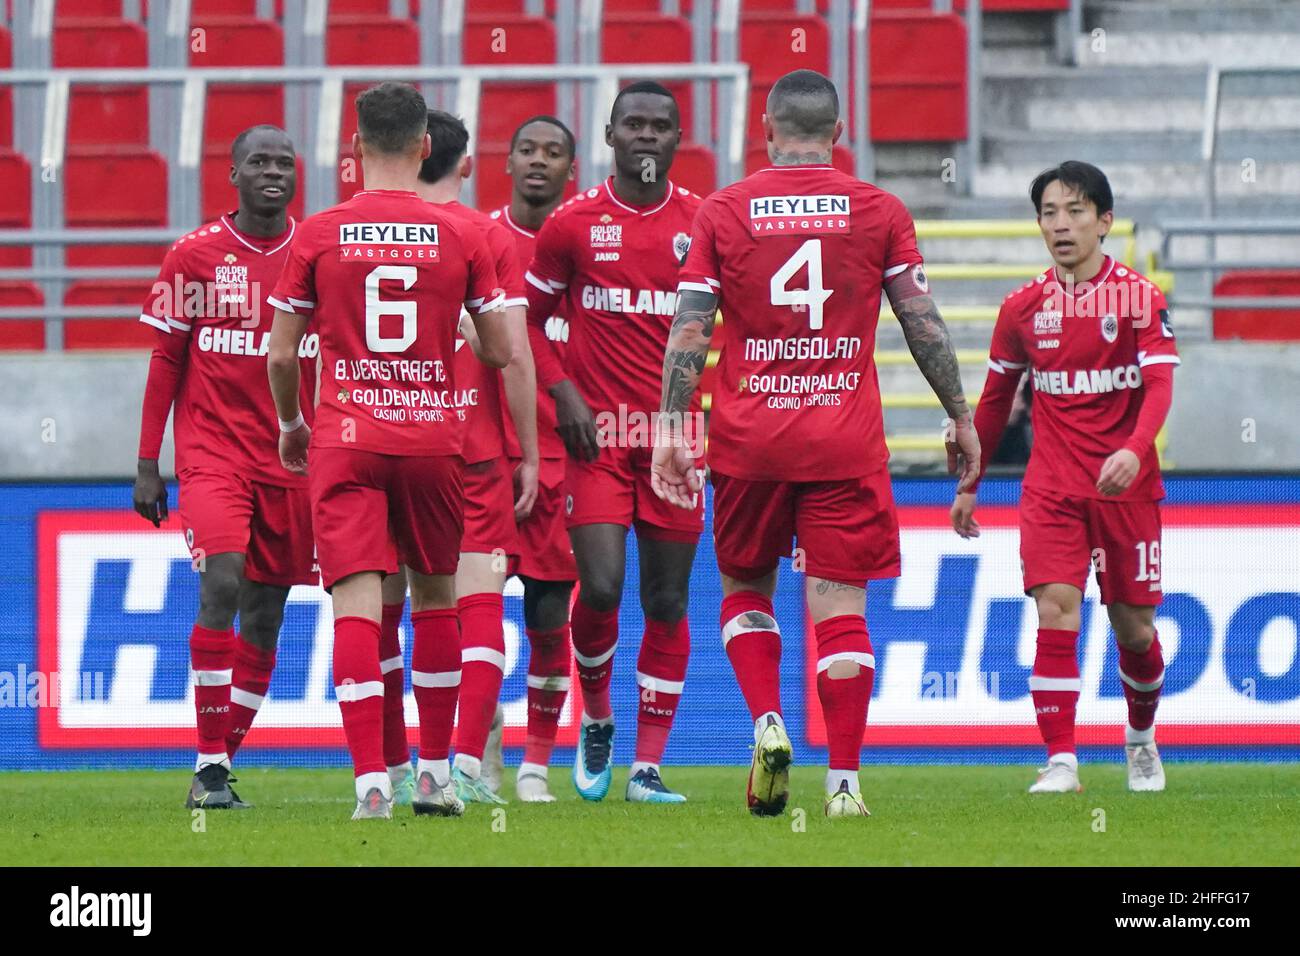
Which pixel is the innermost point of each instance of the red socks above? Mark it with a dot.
(435, 678)
(844, 700)
(360, 691)
(753, 643)
(1142, 675)
(396, 749)
(1054, 686)
(212, 658)
(252, 675)
(548, 684)
(660, 673)
(595, 633)
(483, 664)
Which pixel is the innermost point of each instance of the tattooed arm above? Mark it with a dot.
(931, 346)
(673, 475)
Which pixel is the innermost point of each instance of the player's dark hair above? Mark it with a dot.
(569, 141)
(642, 86)
(1084, 178)
(391, 117)
(450, 141)
(238, 148)
(804, 105)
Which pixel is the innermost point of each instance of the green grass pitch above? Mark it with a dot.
(1212, 814)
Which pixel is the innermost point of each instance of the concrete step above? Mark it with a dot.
(1165, 181)
(1205, 16)
(1071, 114)
(1105, 48)
(1008, 145)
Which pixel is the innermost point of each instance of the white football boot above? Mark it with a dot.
(373, 806)
(1061, 775)
(532, 787)
(434, 800)
(845, 803)
(1145, 773)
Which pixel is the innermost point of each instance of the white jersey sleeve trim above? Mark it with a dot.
(546, 285)
(521, 301)
(709, 286)
(490, 305)
(1144, 360)
(895, 270)
(1002, 366)
(178, 324)
(158, 324)
(280, 304)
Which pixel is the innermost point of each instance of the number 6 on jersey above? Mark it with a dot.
(811, 298)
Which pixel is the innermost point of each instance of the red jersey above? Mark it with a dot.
(1085, 349)
(485, 430)
(549, 443)
(797, 256)
(614, 267)
(385, 274)
(210, 361)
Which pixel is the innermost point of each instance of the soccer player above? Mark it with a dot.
(796, 256)
(384, 275)
(1096, 340)
(610, 257)
(540, 164)
(495, 495)
(247, 521)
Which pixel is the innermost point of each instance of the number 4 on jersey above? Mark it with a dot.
(815, 295)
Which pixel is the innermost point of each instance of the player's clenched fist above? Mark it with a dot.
(1118, 472)
(575, 423)
(293, 449)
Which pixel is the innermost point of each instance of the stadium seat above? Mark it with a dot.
(115, 188)
(70, 9)
(217, 196)
(918, 77)
(527, 40)
(368, 41)
(349, 8)
(349, 172)
(6, 93)
(625, 38)
(492, 185)
(695, 167)
(231, 109)
(103, 115)
(107, 333)
(15, 205)
(1271, 325)
(18, 334)
(771, 46)
(203, 9)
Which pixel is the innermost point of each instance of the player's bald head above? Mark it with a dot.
(263, 135)
(803, 106)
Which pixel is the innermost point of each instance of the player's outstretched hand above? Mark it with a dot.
(525, 489)
(963, 516)
(1118, 472)
(962, 443)
(293, 449)
(575, 422)
(149, 496)
(674, 477)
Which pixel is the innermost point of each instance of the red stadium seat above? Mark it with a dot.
(625, 38)
(695, 167)
(349, 172)
(218, 196)
(516, 41)
(117, 188)
(1271, 325)
(69, 9)
(348, 8)
(6, 93)
(232, 109)
(15, 205)
(16, 334)
(773, 44)
(107, 333)
(102, 115)
(204, 9)
(492, 185)
(368, 41)
(918, 77)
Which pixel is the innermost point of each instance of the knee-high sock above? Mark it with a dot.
(252, 676)
(844, 700)
(396, 749)
(435, 678)
(1054, 686)
(482, 666)
(360, 691)
(595, 634)
(548, 685)
(660, 676)
(753, 643)
(1143, 675)
(212, 660)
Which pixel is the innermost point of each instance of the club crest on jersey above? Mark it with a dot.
(607, 236)
(681, 246)
(1109, 327)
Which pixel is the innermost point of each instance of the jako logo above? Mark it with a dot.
(103, 909)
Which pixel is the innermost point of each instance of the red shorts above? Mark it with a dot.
(847, 530)
(1060, 538)
(371, 510)
(490, 509)
(270, 525)
(545, 553)
(615, 489)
